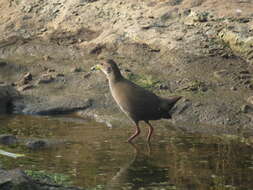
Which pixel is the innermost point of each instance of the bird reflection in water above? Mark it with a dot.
(140, 167)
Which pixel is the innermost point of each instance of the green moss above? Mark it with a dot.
(240, 43)
(98, 187)
(147, 82)
(54, 178)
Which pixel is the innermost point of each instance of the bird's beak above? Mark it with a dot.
(95, 68)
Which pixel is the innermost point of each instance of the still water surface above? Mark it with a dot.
(97, 157)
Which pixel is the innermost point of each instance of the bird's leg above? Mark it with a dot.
(150, 131)
(137, 132)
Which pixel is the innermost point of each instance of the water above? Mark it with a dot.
(97, 157)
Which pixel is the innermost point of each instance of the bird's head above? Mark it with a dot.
(109, 68)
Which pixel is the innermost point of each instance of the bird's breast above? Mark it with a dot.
(119, 97)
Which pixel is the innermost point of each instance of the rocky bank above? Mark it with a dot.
(17, 180)
(202, 50)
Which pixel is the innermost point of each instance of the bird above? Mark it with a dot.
(136, 102)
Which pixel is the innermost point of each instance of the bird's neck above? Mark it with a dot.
(115, 77)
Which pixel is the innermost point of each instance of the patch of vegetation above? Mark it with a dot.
(220, 183)
(147, 82)
(98, 187)
(52, 178)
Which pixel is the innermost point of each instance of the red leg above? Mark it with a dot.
(150, 131)
(137, 132)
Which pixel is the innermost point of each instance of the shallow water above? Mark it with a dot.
(97, 157)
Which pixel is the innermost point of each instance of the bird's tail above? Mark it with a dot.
(167, 104)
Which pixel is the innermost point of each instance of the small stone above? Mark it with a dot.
(50, 70)
(246, 108)
(46, 57)
(233, 88)
(163, 87)
(27, 9)
(250, 99)
(204, 88)
(45, 79)
(8, 139)
(76, 69)
(244, 76)
(220, 74)
(198, 104)
(128, 70)
(25, 87)
(60, 75)
(97, 49)
(178, 38)
(250, 86)
(80, 40)
(28, 77)
(185, 100)
(87, 75)
(43, 29)
(195, 17)
(244, 72)
(36, 144)
(246, 82)
(186, 12)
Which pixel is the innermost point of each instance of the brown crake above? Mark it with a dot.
(136, 102)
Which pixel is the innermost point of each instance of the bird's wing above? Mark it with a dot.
(135, 99)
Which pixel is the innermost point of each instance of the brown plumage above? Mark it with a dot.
(136, 102)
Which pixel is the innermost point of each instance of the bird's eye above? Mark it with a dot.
(101, 63)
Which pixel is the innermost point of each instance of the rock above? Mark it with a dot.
(239, 41)
(163, 87)
(27, 9)
(244, 72)
(182, 107)
(58, 105)
(7, 95)
(195, 17)
(46, 78)
(8, 139)
(39, 144)
(16, 179)
(87, 75)
(50, 70)
(250, 99)
(197, 3)
(24, 81)
(25, 87)
(246, 108)
(198, 104)
(76, 69)
(2, 63)
(60, 75)
(220, 74)
(174, 2)
(233, 88)
(36, 144)
(96, 49)
(46, 57)
(250, 86)
(28, 77)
